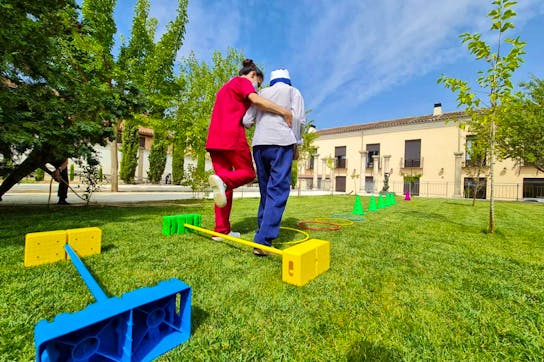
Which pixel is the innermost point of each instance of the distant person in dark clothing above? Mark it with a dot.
(61, 176)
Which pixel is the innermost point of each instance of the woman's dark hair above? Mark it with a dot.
(248, 66)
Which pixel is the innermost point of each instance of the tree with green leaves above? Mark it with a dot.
(55, 101)
(199, 83)
(477, 149)
(157, 157)
(495, 83)
(130, 144)
(150, 66)
(306, 151)
(521, 135)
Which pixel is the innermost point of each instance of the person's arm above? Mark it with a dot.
(63, 166)
(299, 114)
(270, 106)
(249, 117)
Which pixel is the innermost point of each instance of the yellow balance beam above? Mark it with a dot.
(300, 263)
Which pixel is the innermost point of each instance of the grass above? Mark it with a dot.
(420, 280)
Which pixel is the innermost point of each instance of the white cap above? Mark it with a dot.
(279, 73)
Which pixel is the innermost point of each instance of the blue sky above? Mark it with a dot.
(355, 61)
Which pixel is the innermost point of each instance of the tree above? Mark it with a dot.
(521, 135)
(150, 66)
(157, 157)
(178, 159)
(495, 82)
(131, 143)
(476, 148)
(306, 151)
(54, 102)
(199, 83)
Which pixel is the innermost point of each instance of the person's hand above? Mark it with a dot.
(288, 117)
(56, 175)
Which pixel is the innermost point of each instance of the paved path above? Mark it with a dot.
(38, 194)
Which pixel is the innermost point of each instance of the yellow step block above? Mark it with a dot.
(303, 262)
(44, 247)
(48, 246)
(85, 241)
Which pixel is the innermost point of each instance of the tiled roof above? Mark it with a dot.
(450, 116)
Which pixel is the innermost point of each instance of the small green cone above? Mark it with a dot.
(372, 204)
(387, 200)
(381, 203)
(357, 207)
(393, 201)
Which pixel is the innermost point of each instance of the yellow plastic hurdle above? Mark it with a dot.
(300, 263)
(48, 246)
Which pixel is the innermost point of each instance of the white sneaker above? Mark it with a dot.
(218, 188)
(232, 233)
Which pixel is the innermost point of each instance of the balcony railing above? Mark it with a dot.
(412, 163)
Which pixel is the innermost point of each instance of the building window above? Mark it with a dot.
(369, 184)
(340, 157)
(311, 163)
(412, 153)
(340, 184)
(411, 185)
(533, 187)
(372, 150)
(473, 156)
(476, 186)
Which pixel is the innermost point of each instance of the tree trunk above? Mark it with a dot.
(492, 177)
(114, 165)
(34, 160)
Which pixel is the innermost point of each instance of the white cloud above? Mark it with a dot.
(357, 49)
(211, 27)
(345, 52)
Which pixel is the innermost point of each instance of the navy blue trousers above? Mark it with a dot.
(274, 174)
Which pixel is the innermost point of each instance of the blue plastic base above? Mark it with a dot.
(139, 326)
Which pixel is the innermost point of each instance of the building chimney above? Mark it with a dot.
(437, 110)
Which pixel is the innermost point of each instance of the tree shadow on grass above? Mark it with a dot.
(21, 219)
(367, 351)
(430, 216)
(198, 316)
(248, 225)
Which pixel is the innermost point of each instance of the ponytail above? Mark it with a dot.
(248, 66)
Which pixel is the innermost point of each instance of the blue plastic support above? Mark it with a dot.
(139, 326)
(93, 286)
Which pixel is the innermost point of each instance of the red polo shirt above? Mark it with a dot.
(226, 131)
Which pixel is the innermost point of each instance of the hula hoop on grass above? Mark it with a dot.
(336, 220)
(304, 225)
(306, 236)
(348, 217)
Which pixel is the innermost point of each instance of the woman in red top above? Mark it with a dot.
(227, 144)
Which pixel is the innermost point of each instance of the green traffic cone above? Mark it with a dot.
(393, 201)
(387, 200)
(357, 207)
(381, 203)
(372, 204)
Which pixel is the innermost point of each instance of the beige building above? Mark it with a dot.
(422, 155)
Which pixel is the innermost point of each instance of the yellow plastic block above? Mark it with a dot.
(44, 247)
(303, 262)
(85, 241)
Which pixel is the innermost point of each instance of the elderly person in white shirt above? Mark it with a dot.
(274, 144)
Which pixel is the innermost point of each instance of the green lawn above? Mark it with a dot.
(420, 280)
